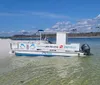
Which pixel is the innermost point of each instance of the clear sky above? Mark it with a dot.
(18, 15)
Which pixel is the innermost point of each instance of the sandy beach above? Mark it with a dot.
(4, 48)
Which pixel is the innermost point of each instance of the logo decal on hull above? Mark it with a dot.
(22, 46)
(32, 46)
(61, 46)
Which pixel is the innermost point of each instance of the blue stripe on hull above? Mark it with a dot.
(25, 54)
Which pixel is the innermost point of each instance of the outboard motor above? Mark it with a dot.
(85, 49)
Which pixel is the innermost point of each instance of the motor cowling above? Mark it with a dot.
(85, 49)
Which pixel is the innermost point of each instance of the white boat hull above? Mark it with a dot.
(37, 53)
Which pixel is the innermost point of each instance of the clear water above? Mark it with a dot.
(53, 70)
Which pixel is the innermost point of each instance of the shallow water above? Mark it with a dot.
(53, 70)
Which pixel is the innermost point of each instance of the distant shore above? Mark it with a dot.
(53, 35)
(85, 37)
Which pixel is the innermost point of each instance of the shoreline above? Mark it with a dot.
(49, 37)
(70, 35)
(86, 37)
(52, 37)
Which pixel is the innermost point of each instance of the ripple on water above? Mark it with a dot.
(44, 70)
(50, 71)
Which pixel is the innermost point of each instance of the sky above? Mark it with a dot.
(16, 15)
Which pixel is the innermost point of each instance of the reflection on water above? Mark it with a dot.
(52, 70)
